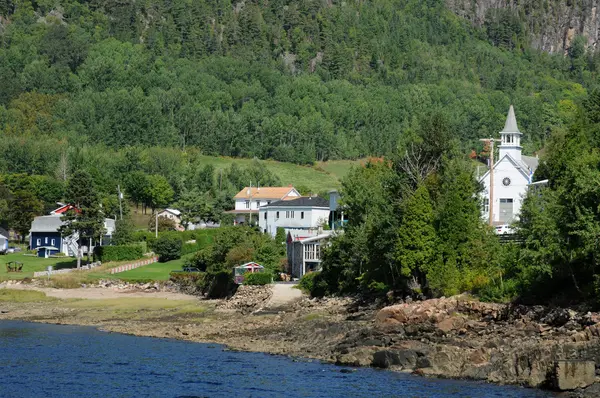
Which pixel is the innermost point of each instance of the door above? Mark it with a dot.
(506, 210)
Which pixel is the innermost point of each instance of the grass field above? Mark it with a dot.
(321, 177)
(32, 264)
(155, 271)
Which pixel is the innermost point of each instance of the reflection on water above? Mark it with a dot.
(63, 361)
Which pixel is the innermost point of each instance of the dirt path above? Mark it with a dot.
(102, 293)
(283, 294)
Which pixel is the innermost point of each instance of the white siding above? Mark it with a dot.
(515, 191)
(311, 220)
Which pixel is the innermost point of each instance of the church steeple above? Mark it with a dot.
(510, 137)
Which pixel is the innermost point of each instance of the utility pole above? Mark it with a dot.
(120, 204)
(491, 141)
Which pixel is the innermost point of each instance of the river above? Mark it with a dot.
(40, 360)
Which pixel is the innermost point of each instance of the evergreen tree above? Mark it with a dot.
(86, 219)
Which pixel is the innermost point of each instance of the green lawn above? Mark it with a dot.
(322, 177)
(32, 264)
(154, 271)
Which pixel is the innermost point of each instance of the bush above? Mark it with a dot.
(168, 247)
(200, 260)
(258, 278)
(189, 282)
(118, 253)
(189, 248)
(313, 284)
(218, 284)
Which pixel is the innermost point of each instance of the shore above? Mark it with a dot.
(453, 338)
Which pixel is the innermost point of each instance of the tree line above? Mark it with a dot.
(288, 80)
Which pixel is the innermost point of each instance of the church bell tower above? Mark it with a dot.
(510, 137)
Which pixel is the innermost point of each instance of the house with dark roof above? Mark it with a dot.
(45, 236)
(299, 216)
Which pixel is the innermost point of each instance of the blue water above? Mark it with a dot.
(38, 360)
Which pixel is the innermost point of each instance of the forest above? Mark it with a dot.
(134, 94)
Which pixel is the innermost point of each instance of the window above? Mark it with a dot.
(292, 216)
(268, 202)
(257, 204)
(53, 242)
(506, 200)
(486, 205)
(289, 214)
(277, 215)
(302, 215)
(247, 204)
(46, 240)
(265, 215)
(39, 242)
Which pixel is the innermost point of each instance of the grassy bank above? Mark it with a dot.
(32, 264)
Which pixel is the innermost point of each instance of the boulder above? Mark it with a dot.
(571, 374)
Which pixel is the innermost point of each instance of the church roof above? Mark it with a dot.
(531, 162)
(511, 122)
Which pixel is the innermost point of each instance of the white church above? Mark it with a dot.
(512, 175)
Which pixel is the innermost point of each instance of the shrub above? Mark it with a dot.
(200, 260)
(313, 284)
(218, 284)
(189, 282)
(118, 253)
(189, 248)
(258, 278)
(168, 247)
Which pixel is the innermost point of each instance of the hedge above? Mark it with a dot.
(118, 253)
(258, 278)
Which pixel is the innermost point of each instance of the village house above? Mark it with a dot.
(299, 216)
(45, 236)
(304, 253)
(173, 215)
(250, 199)
(512, 175)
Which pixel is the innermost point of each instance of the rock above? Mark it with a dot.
(571, 374)
(386, 358)
(450, 324)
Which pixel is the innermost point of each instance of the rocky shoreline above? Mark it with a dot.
(455, 337)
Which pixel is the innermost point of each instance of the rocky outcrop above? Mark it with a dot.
(248, 298)
(551, 25)
(462, 338)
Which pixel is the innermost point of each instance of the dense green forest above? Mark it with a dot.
(415, 228)
(294, 81)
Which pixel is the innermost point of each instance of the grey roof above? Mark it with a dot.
(531, 162)
(4, 233)
(53, 223)
(304, 201)
(511, 122)
(46, 224)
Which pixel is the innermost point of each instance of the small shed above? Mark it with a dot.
(46, 251)
(240, 271)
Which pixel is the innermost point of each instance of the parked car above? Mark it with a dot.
(190, 269)
(504, 229)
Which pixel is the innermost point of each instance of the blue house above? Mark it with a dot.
(45, 237)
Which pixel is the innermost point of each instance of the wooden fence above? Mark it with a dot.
(129, 267)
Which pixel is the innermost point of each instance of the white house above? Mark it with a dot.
(173, 215)
(512, 174)
(250, 199)
(301, 216)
